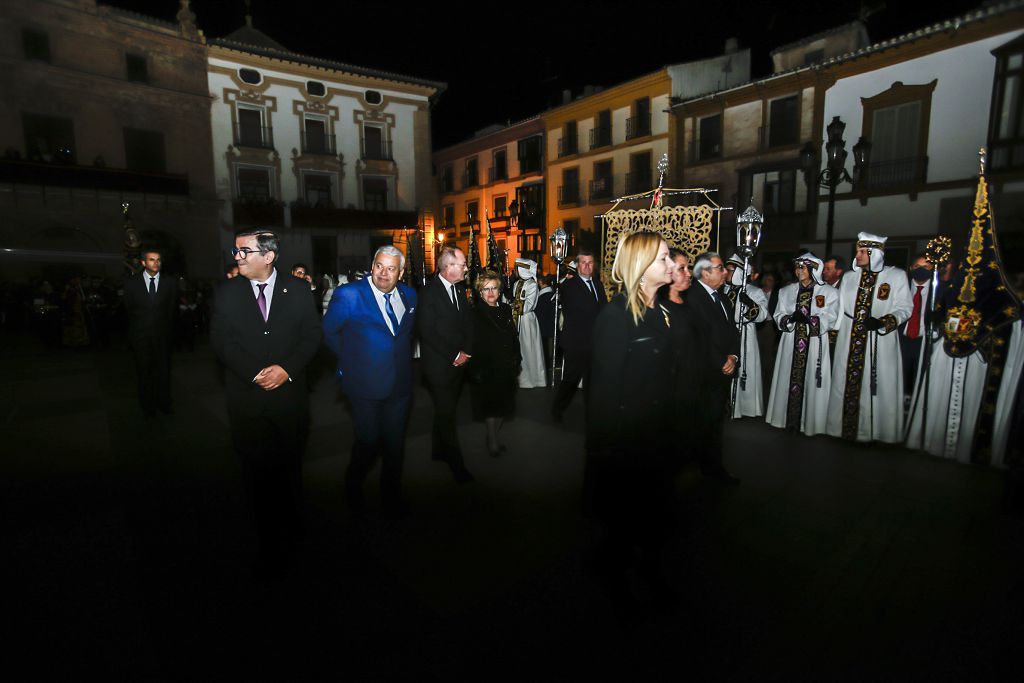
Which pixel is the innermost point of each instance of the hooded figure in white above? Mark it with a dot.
(807, 310)
(866, 403)
(531, 344)
(748, 387)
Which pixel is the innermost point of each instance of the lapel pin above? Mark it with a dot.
(285, 290)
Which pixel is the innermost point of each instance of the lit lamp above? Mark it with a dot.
(559, 244)
(835, 168)
(748, 232)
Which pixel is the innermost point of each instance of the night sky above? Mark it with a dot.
(504, 64)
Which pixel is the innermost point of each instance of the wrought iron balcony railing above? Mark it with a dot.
(638, 126)
(567, 146)
(600, 137)
(376, 150)
(318, 143)
(253, 136)
(601, 188)
(568, 194)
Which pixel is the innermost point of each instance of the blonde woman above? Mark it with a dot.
(629, 458)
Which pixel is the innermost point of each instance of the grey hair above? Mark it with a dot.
(704, 261)
(446, 257)
(389, 250)
(266, 240)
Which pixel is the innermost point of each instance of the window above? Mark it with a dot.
(1006, 128)
(499, 165)
(253, 184)
(375, 194)
(569, 192)
(709, 137)
(531, 154)
(374, 144)
(250, 131)
(135, 68)
(896, 123)
(144, 151)
(530, 200)
(572, 230)
(470, 177)
(472, 211)
(601, 133)
(639, 178)
(500, 206)
(601, 185)
(783, 122)
(779, 192)
(448, 211)
(373, 97)
(48, 138)
(317, 140)
(447, 179)
(639, 124)
(813, 57)
(250, 76)
(317, 188)
(36, 45)
(316, 88)
(569, 144)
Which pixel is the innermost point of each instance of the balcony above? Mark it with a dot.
(376, 150)
(601, 189)
(470, 179)
(567, 146)
(568, 194)
(638, 126)
(600, 137)
(350, 219)
(258, 211)
(779, 136)
(880, 175)
(703, 150)
(318, 143)
(16, 172)
(253, 136)
(639, 182)
(494, 174)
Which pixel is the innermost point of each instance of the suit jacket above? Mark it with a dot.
(150, 318)
(723, 339)
(373, 363)
(580, 310)
(443, 330)
(246, 344)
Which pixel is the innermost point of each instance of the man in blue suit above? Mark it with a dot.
(369, 326)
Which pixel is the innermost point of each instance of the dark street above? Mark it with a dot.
(129, 552)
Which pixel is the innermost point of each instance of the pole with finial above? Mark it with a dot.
(662, 169)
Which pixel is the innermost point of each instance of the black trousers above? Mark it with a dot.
(379, 429)
(712, 412)
(153, 370)
(910, 349)
(445, 388)
(577, 367)
(270, 447)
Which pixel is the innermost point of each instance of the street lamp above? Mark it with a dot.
(835, 168)
(559, 242)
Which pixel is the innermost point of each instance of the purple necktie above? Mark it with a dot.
(262, 301)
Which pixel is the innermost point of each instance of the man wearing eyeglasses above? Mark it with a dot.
(445, 326)
(369, 327)
(266, 333)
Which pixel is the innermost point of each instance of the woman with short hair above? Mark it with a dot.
(494, 367)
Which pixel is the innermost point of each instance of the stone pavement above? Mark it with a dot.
(128, 552)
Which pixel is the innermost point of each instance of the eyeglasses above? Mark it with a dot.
(491, 289)
(244, 251)
(718, 267)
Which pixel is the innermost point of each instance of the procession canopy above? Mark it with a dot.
(983, 303)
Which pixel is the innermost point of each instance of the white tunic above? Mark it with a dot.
(944, 425)
(749, 391)
(877, 417)
(814, 411)
(531, 344)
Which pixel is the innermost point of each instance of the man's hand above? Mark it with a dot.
(730, 365)
(271, 378)
(745, 298)
(799, 317)
(874, 324)
(462, 359)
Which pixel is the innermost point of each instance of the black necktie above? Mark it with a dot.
(455, 298)
(152, 286)
(590, 284)
(718, 300)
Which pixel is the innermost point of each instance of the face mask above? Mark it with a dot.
(524, 273)
(921, 274)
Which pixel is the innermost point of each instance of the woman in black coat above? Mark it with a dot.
(494, 367)
(627, 481)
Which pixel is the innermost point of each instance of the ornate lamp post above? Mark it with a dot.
(835, 168)
(559, 243)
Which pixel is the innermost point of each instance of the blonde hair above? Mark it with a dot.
(485, 277)
(635, 254)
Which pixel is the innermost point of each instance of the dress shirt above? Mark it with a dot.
(591, 287)
(268, 291)
(152, 277)
(453, 293)
(711, 293)
(396, 305)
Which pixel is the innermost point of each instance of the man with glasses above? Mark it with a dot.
(369, 327)
(445, 325)
(266, 333)
(715, 313)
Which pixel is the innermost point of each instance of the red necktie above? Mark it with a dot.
(914, 325)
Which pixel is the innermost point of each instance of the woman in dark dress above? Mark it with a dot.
(494, 367)
(627, 480)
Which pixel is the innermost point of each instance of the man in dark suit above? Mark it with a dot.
(715, 315)
(581, 299)
(445, 325)
(369, 327)
(265, 332)
(150, 301)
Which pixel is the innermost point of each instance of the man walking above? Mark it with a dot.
(581, 299)
(150, 301)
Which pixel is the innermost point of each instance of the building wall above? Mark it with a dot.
(85, 81)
